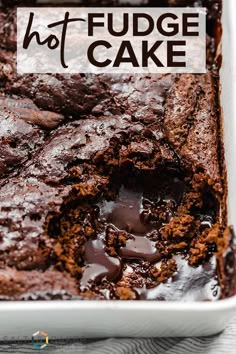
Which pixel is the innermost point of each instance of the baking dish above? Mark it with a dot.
(67, 319)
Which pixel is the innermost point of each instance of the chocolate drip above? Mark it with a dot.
(99, 264)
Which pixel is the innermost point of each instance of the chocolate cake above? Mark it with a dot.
(112, 186)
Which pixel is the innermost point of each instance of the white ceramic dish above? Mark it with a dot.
(61, 319)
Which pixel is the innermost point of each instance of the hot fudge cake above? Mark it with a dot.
(113, 186)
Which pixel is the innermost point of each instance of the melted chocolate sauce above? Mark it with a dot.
(140, 248)
(124, 212)
(99, 264)
(139, 211)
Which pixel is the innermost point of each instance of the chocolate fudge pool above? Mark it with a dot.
(113, 186)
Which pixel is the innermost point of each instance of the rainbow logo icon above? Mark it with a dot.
(40, 339)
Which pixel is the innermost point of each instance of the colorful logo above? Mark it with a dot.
(40, 339)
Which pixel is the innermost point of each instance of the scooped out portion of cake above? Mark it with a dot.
(112, 186)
